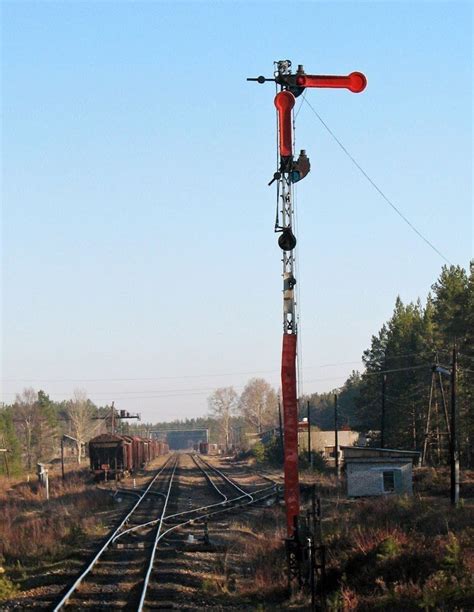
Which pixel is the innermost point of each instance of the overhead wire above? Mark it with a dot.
(377, 372)
(191, 376)
(375, 186)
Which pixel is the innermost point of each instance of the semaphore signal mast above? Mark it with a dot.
(289, 172)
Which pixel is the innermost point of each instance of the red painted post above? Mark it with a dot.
(290, 417)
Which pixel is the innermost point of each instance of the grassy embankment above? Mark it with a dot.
(392, 553)
(36, 536)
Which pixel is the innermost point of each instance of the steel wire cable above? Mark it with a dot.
(375, 186)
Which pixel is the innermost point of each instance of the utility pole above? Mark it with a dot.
(454, 459)
(5, 459)
(62, 458)
(453, 441)
(382, 427)
(310, 454)
(112, 419)
(289, 171)
(65, 437)
(115, 415)
(336, 436)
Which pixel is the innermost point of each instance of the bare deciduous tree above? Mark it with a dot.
(36, 425)
(259, 404)
(81, 412)
(223, 404)
(26, 420)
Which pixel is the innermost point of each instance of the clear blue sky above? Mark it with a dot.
(139, 260)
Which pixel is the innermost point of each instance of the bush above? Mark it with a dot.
(258, 451)
(270, 453)
(319, 463)
(75, 536)
(8, 589)
(388, 548)
(273, 452)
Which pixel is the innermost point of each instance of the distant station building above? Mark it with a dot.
(378, 471)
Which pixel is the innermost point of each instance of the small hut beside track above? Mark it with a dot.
(379, 471)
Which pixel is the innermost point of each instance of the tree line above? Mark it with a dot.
(399, 374)
(398, 378)
(232, 417)
(32, 426)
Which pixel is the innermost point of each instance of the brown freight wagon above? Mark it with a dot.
(110, 456)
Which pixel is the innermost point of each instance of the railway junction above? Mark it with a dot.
(179, 523)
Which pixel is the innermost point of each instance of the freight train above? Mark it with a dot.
(115, 456)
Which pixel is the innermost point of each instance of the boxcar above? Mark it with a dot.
(110, 456)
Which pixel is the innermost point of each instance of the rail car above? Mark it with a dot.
(206, 448)
(115, 456)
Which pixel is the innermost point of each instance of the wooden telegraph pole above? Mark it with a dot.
(310, 454)
(382, 427)
(5, 459)
(454, 451)
(336, 437)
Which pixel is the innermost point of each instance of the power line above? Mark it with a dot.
(182, 377)
(136, 394)
(375, 186)
(189, 376)
(418, 367)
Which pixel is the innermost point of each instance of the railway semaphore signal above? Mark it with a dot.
(290, 170)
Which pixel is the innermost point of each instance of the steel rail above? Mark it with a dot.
(110, 540)
(208, 478)
(155, 543)
(184, 512)
(132, 491)
(226, 478)
(192, 510)
(227, 509)
(160, 536)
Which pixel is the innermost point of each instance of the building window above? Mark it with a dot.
(388, 481)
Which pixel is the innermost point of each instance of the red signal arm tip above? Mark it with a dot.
(355, 81)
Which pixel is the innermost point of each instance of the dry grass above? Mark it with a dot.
(400, 554)
(392, 553)
(33, 528)
(253, 566)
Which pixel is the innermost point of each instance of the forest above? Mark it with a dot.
(400, 364)
(404, 390)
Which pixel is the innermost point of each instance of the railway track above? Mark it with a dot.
(137, 568)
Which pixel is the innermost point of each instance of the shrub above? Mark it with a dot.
(273, 452)
(318, 461)
(258, 451)
(8, 589)
(75, 535)
(388, 548)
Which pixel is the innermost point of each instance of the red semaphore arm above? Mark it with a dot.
(355, 82)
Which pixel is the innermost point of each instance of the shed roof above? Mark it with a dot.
(358, 453)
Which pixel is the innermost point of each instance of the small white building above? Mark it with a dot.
(378, 471)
